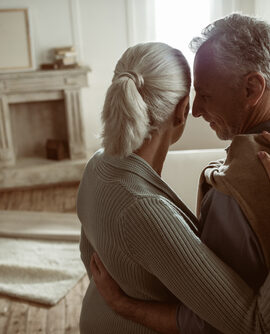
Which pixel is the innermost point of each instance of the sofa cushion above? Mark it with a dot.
(182, 170)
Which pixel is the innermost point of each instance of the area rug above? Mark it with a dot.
(39, 270)
(39, 255)
(39, 225)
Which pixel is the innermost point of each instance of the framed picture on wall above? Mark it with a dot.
(15, 40)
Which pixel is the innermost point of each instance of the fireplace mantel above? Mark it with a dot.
(36, 86)
(24, 82)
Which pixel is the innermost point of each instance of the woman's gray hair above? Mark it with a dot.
(149, 81)
(240, 44)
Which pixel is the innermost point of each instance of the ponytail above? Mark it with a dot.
(125, 115)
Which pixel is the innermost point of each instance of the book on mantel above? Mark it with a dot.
(65, 57)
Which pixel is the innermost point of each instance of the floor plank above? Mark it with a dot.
(56, 319)
(36, 320)
(73, 304)
(4, 313)
(84, 284)
(18, 318)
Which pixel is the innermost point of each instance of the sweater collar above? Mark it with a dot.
(137, 165)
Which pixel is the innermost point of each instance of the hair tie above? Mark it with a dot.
(137, 78)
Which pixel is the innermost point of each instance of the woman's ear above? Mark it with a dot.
(254, 86)
(181, 111)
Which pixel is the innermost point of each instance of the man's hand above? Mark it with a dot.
(264, 156)
(160, 317)
(113, 295)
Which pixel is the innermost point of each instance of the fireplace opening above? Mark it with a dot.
(33, 124)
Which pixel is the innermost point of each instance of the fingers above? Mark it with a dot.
(265, 159)
(264, 156)
(266, 135)
(97, 267)
(98, 262)
(94, 268)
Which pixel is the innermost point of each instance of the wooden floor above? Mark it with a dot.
(55, 198)
(17, 316)
(22, 317)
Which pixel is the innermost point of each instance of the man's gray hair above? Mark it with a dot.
(240, 44)
(149, 81)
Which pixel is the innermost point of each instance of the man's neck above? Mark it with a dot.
(259, 128)
(259, 114)
(251, 126)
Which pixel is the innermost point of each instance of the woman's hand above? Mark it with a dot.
(264, 156)
(107, 287)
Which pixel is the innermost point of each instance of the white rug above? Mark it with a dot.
(39, 270)
(39, 225)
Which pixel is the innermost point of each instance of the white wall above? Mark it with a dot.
(50, 23)
(262, 9)
(104, 36)
(100, 32)
(97, 28)
(224, 7)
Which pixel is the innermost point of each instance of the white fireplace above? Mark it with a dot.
(34, 107)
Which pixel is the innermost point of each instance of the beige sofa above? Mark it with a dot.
(182, 170)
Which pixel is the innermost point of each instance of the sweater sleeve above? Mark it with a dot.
(159, 240)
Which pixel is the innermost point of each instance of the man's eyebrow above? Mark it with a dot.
(199, 89)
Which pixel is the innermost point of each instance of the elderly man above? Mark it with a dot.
(232, 83)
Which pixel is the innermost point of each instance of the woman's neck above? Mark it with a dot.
(154, 150)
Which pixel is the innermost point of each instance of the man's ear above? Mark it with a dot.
(181, 111)
(254, 86)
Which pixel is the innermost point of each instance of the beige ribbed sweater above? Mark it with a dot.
(143, 234)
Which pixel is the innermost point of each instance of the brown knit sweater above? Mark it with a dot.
(243, 177)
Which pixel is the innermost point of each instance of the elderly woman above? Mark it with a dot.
(144, 234)
(155, 315)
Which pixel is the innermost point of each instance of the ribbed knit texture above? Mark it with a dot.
(144, 235)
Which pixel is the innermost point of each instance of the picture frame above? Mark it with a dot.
(15, 40)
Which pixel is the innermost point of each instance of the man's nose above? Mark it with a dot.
(196, 108)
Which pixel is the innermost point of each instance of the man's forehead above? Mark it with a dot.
(204, 59)
(202, 77)
(205, 71)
